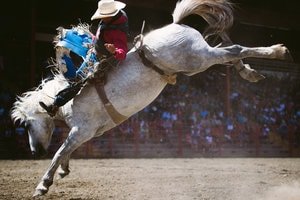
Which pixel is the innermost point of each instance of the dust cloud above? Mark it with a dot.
(285, 191)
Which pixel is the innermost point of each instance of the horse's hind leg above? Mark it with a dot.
(73, 141)
(64, 168)
(235, 53)
(245, 71)
(238, 52)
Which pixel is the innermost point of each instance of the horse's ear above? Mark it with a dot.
(20, 123)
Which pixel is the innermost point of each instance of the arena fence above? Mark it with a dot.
(130, 140)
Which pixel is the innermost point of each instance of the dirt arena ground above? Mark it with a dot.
(158, 179)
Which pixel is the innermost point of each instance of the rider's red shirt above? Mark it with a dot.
(116, 37)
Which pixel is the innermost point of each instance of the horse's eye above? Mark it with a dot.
(27, 125)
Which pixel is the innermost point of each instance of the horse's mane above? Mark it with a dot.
(26, 104)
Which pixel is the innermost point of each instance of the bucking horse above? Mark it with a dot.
(150, 65)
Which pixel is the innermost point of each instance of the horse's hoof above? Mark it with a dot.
(282, 52)
(288, 56)
(251, 75)
(257, 77)
(62, 175)
(41, 189)
(39, 193)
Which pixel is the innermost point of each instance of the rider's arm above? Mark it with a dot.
(119, 40)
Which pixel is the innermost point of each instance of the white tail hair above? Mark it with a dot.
(217, 13)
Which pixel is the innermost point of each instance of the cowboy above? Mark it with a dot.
(110, 43)
(112, 29)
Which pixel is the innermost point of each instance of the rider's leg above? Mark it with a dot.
(70, 92)
(62, 98)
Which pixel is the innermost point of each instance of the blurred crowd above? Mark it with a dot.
(205, 113)
(255, 112)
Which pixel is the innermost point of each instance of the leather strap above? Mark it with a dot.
(148, 63)
(114, 114)
(171, 79)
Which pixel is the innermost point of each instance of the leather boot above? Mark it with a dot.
(51, 109)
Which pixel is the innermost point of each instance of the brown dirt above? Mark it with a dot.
(158, 179)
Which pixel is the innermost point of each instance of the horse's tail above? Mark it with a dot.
(217, 13)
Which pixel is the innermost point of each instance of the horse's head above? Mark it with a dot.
(39, 129)
(39, 133)
(27, 112)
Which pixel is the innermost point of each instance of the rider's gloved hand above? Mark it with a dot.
(111, 48)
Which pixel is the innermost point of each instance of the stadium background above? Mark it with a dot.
(265, 116)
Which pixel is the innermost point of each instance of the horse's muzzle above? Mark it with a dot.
(40, 152)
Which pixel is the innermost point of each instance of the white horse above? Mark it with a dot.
(130, 87)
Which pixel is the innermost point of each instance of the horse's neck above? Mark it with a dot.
(50, 88)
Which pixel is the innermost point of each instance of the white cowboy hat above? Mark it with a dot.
(107, 8)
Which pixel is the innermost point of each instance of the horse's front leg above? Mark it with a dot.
(64, 168)
(73, 141)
